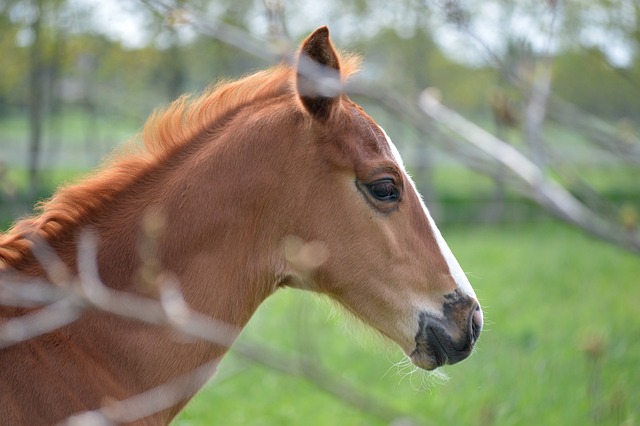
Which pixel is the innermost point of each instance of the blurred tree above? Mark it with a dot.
(30, 34)
(165, 29)
(12, 71)
(36, 91)
(585, 78)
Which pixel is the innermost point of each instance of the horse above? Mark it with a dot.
(274, 180)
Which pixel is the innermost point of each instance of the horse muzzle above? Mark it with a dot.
(449, 338)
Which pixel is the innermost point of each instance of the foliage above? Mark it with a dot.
(586, 78)
(421, 64)
(401, 44)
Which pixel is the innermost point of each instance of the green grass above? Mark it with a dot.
(74, 125)
(561, 345)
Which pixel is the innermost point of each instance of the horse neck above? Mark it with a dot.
(219, 243)
(218, 198)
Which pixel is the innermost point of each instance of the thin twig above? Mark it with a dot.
(89, 292)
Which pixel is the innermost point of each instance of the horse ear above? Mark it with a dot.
(318, 74)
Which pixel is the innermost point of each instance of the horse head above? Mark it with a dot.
(382, 256)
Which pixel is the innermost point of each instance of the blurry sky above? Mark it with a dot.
(125, 21)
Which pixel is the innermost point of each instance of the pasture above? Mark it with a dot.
(561, 345)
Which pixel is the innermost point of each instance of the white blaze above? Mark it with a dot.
(454, 267)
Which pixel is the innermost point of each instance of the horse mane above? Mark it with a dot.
(165, 132)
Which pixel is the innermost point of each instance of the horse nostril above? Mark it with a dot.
(476, 323)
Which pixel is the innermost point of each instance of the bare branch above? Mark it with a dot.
(147, 403)
(548, 192)
(43, 321)
(66, 303)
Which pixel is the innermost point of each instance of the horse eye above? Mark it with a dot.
(384, 190)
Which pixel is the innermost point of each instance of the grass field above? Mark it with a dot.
(561, 345)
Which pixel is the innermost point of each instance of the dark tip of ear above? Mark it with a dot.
(318, 48)
(318, 74)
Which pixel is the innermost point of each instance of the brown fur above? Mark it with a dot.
(165, 132)
(232, 173)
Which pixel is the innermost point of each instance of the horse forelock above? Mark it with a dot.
(165, 132)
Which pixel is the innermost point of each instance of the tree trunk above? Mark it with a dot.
(536, 108)
(36, 99)
(175, 67)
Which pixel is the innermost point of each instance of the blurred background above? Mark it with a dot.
(519, 121)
